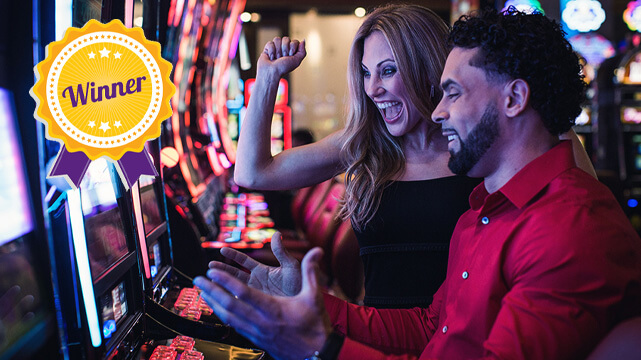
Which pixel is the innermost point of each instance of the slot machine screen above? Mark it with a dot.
(114, 308)
(15, 208)
(635, 154)
(152, 218)
(155, 259)
(20, 296)
(22, 307)
(104, 228)
(630, 115)
(150, 208)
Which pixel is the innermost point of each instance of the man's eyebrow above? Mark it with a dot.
(447, 83)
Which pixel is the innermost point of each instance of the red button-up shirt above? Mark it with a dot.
(537, 270)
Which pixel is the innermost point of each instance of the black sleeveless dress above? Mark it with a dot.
(405, 246)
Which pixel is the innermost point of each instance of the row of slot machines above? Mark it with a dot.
(208, 109)
(116, 280)
(627, 78)
(610, 124)
(119, 294)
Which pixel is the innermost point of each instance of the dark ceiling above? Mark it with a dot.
(336, 6)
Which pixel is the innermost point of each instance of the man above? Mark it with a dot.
(540, 267)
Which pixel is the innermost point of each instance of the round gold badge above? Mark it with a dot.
(103, 90)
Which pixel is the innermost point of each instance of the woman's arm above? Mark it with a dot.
(255, 167)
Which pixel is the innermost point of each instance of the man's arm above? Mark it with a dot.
(392, 331)
(293, 327)
(565, 284)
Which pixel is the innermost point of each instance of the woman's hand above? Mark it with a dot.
(281, 56)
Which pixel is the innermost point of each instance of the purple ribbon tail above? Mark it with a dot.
(71, 165)
(133, 164)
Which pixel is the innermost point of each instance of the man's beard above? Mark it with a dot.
(477, 143)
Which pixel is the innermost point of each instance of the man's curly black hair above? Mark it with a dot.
(516, 45)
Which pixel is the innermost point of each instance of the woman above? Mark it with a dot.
(401, 197)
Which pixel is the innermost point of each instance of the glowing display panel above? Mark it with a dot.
(114, 308)
(631, 72)
(155, 259)
(15, 208)
(104, 229)
(21, 304)
(150, 208)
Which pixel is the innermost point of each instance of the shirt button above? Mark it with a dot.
(485, 220)
(465, 274)
(444, 329)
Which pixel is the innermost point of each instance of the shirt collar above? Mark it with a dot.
(530, 180)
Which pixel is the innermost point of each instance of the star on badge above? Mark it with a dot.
(104, 52)
(92, 124)
(92, 55)
(105, 126)
(117, 55)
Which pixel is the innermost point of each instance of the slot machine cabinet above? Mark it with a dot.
(96, 267)
(100, 291)
(166, 288)
(593, 49)
(105, 307)
(101, 300)
(193, 186)
(27, 313)
(628, 95)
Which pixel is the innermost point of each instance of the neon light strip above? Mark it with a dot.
(213, 161)
(142, 239)
(82, 259)
(63, 13)
(129, 13)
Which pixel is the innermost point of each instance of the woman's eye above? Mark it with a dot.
(365, 72)
(389, 71)
(452, 95)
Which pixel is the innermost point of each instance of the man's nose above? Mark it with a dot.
(439, 115)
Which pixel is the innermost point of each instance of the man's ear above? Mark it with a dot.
(517, 97)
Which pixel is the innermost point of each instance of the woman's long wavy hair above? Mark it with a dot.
(371, 155)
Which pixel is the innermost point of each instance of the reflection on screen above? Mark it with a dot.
(114, 308)
(104, 229)
(636, 152)
(21, 307)
(155, 261)
(15, 208)
(150, 208)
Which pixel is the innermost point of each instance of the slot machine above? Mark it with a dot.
(107, 311)
(27, 313)
(171, 301)
(102, 286)
(97, 268)
(592, 49)
(195, 185)
(628, 95)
